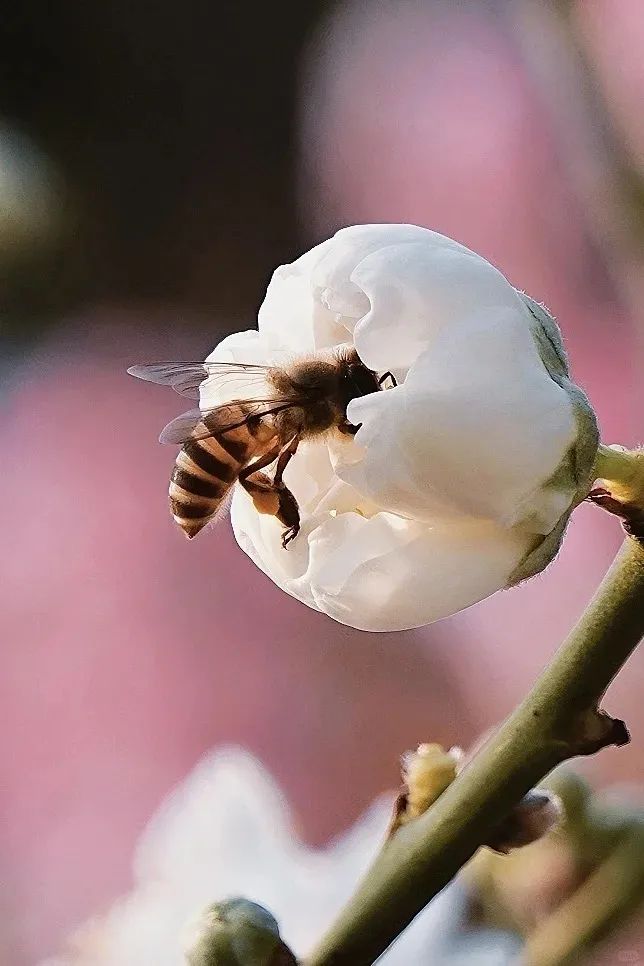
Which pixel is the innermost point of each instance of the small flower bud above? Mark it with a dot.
(426, 774)
(536, 814)
(237, 932)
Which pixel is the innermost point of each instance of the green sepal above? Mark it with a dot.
(575, 472)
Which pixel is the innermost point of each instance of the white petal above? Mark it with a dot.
(479, 425)
(403, 273)
(312, 303)
(383, 573)
(417, 289)
(227, 830)
(290, 316)
(477, 428)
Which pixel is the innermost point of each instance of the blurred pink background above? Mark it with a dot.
(127, 651)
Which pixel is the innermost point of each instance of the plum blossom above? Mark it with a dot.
(226, 831)
(462, 477)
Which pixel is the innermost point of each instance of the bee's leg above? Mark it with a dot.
(289, 512)
(388, 375)
(260, 486)
(262, 461)
(274, 499)
(288, 515)
(286, 453)
(272, 496)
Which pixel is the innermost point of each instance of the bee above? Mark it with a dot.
(237, 441)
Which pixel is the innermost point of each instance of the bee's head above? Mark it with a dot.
(355, 379)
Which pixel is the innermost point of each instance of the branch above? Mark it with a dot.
(559, 719)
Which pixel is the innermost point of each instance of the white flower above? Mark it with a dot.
(461, 479)
(227, 831)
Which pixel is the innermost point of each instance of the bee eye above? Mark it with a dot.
(362, 379)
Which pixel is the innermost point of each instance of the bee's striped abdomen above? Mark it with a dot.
(203, 474)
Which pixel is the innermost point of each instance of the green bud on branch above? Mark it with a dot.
(237, 932)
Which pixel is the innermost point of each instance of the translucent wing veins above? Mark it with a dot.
(186, 377)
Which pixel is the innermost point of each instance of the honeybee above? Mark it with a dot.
(237, 441)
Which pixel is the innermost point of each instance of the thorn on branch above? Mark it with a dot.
(596, 730)
(397, 814)
(620, 733)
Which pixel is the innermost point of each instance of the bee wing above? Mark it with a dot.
(183, 427)
(202, 424)
(186, 377)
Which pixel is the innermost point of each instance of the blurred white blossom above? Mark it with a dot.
(461, 479)
(227, 831)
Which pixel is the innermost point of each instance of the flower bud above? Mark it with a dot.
(237, 932)
(460, 478)
(427, 772)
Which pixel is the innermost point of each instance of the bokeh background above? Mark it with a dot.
(157, 161)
